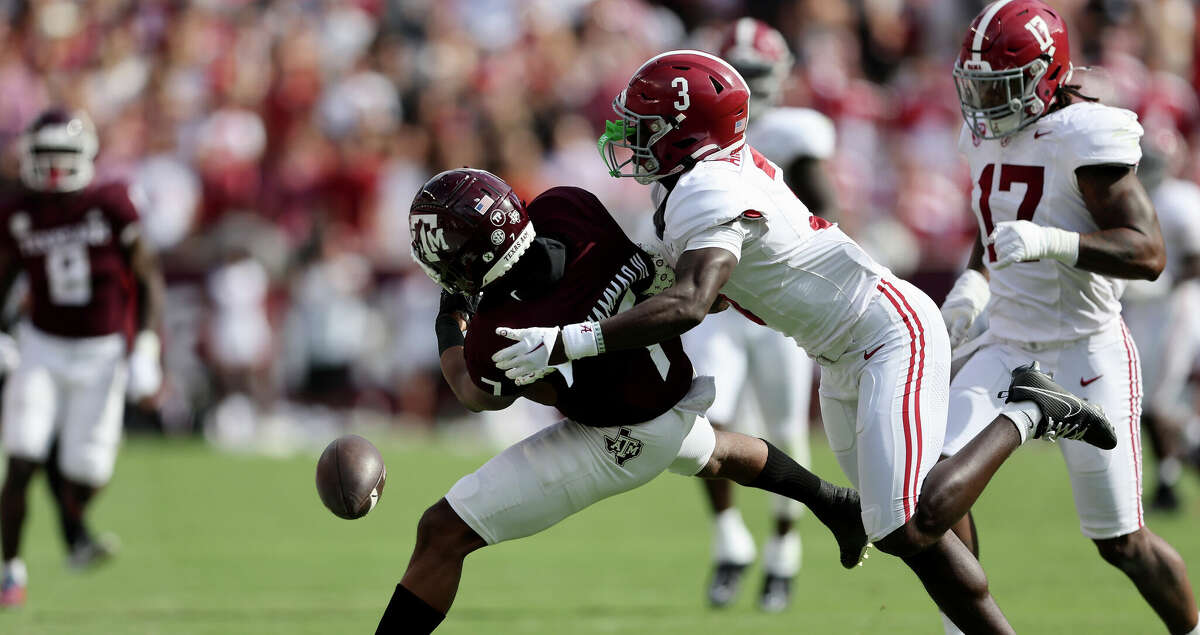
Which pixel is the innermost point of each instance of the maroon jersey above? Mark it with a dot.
(616, 388)
(73, 246)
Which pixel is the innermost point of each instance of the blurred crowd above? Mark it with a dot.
(279, 142)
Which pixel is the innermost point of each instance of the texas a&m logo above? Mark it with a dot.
(427, 236)
(622, 447)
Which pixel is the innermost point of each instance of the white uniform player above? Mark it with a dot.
(756, 366)
(1066, 318)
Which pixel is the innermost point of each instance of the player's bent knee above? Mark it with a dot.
(1123, 552)
(441, 531)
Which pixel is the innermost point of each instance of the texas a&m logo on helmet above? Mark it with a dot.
(468, 229)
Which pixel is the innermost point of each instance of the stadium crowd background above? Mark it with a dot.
(279, 143)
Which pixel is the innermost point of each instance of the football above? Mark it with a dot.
(350, 476)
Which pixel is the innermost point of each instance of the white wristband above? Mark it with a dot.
(1062, 245)
(582, 340)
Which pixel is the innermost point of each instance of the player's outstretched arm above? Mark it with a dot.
(1129, 243)
(454, 369)
(699, 276)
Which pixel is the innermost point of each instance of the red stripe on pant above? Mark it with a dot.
(916, 367)
(1135, 395)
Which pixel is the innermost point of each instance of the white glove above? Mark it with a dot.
(529, 359)
(10, 354)
(145, 368)
(664, 275)
(963, 304)
(1021, 240)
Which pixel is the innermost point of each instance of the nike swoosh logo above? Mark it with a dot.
(1041, 133)
(540, 344)
(868, 355)
(1075, 406)
(514, 295)
(1084, 382)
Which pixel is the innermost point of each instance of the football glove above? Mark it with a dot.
(528, 360)
(145, 367)
(963, 305)
(1022, 240)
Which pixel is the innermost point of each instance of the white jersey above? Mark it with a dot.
(1031, 176)
(796, 273)
(786, 134)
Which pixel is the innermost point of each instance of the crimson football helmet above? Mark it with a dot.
(57, 152)
(679, 107)
(1013, 60)
(468, 229)
(761, 56)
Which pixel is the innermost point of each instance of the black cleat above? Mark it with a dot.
(776, 594)
(1064, 416)
(726, 579)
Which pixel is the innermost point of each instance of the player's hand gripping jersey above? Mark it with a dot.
(1031, 176)
(603, 269)
(797, 273)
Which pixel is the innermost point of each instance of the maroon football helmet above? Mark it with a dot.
(468, 229)
(761, 56)
(57, 151)
(1013, 60)
(679, 107)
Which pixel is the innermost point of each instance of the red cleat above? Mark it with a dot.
(12, 594)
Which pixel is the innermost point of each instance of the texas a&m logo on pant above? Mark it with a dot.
(623, 447)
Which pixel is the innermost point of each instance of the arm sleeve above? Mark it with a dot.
(1106, 136)
(729, 237)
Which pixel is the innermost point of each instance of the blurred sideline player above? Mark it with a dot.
(733, 229)
(1064, 223)
(629, 416)
(745, 358)
(1162, 314)
(92, 280)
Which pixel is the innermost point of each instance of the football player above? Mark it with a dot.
(629, 415)
(733, 349)
(93, 282)
(733, 228)
(1064, 223)
(1162, 314)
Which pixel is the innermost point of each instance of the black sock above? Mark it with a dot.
(784, 476)
(408, 614)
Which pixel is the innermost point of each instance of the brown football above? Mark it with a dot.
(350, 476)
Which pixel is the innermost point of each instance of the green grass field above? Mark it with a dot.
(240, 544)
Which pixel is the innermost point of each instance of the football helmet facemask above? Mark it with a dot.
(58, 152)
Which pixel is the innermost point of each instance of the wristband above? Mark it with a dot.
(582, 340)
(1063, 245)
(448, 334)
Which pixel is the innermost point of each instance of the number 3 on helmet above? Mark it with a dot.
(679, 107)
(1013, 60)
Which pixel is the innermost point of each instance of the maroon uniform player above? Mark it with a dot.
(629, 416)
(94, 288)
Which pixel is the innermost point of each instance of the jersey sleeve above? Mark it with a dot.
(1103, 135)
(481, 343)
(702, 202)
(729, 237)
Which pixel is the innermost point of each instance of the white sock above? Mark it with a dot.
(949, 626)
(781, 555)
(16, 569)
(732, 542)
(1025, 415)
